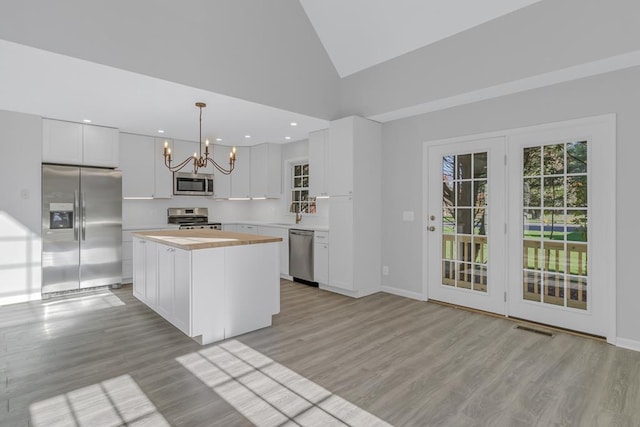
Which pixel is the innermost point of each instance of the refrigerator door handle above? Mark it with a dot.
(76, 212)
(84, 215)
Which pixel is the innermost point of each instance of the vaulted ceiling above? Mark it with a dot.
(260, 65)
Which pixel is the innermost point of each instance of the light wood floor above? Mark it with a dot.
(404, 361)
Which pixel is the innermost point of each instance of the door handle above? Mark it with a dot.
(76, 212)
(432, 228)
(84, 215)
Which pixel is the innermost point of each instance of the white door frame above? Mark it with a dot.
(604, 150)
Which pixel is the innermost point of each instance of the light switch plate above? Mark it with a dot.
(407, 216)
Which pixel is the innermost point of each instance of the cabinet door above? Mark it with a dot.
(230, 227)
(61, 142)
(182, 290)
(259, 170)
(321, 263)
(340, 160)
(274, 170)
(241, 176)
(165, 281)
(283, 233)
(318, 163)
(341, 254)
(151, 272)
(221, 182)
(100, 146)
(163, 177)
(139, 268)
(137, 165)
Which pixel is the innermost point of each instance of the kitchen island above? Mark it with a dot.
(209, 284)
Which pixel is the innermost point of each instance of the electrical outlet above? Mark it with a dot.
(385, 270)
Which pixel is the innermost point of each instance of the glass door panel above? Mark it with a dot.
(462, 181)
(555, 214)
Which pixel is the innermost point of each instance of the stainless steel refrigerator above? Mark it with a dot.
(81, 228)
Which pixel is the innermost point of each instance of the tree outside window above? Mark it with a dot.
(300, 200)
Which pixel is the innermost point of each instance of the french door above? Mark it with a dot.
(466, 214)
(523, 224)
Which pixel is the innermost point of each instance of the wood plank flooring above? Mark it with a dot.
(106, 359)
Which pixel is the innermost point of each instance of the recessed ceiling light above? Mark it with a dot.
(287, 137)
(160, 131)
(218, 139)
(87, 121)
(293, 124)
(247, 136)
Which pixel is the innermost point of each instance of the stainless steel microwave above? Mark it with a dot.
(192, 184)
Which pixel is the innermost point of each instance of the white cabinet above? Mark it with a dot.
(247, 228)
(355, 206)
(174, 284)
(241, 176)
(137, 165)
(318, 163)
(354, 155)
(230, 227)
(321, 257)
(221, 182)
(266, 170)
(100, 146)
(79, 144)
(283, 233)
(163, 177)
(145, 279)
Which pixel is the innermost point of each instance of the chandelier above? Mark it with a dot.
(201, 161)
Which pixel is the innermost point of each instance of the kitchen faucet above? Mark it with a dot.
(298, 217)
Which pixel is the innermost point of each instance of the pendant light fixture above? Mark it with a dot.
(199, 161)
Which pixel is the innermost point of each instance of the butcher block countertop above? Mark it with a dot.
(203, 238)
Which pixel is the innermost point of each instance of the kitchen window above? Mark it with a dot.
(300, 200)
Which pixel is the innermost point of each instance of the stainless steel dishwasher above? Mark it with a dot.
(301, 255)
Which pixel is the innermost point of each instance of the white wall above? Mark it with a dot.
(544, 37)
(402, 187)
(20, 223)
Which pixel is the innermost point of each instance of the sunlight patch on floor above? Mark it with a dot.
(115, 402)
(269, 394)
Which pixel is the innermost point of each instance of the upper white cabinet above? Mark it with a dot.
(79, 144)
(241, 176)
(163, 182)
(318, 163)
(221, 182)
(266, 170)
(137, 165)
(354, 154)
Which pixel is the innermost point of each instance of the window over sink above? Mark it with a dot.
(299, 189)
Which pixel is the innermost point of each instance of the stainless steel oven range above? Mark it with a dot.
(191, 218)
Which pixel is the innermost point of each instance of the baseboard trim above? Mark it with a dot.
(21, 298)
(628, 344)
(403, 293)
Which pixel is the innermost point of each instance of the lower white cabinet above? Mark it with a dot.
(284, 245)
(321, 257)
(230, 227)
(174, 286)
(209, 294)
(247, 228)
(145, 278)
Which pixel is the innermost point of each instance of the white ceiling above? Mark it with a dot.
(358, 34)
(39, 82)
